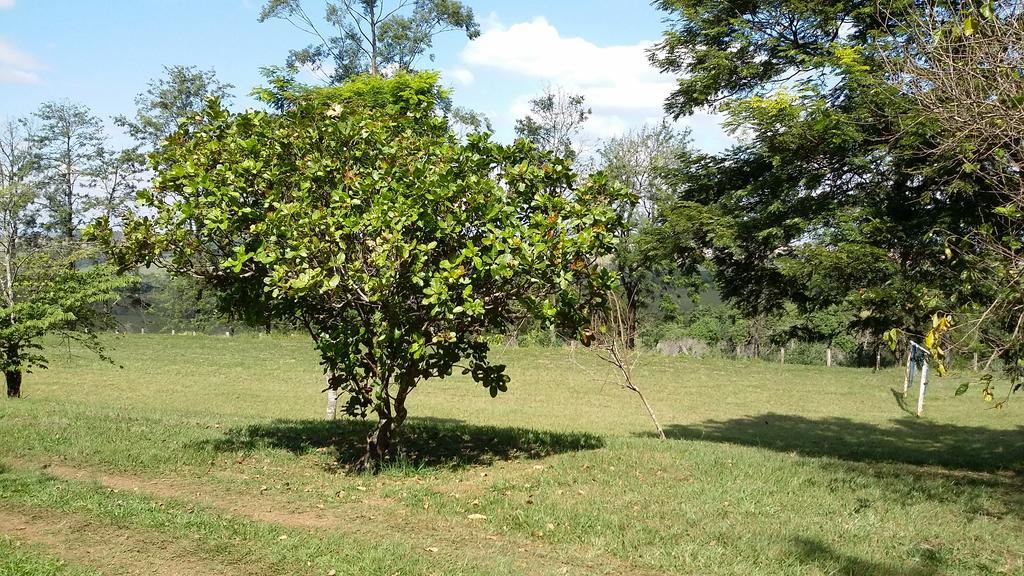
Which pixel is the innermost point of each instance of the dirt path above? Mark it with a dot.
(367, 518)
(105, 548)
(258, 509)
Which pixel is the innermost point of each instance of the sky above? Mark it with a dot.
(102, 53)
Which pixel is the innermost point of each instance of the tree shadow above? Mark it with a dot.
(905, 441)
(914, 459)
(901, 401)
(424, 442)
(830, 561)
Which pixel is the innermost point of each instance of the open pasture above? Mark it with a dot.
(207, 455)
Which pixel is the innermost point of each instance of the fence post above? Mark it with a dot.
(923, 389)
(910, 370)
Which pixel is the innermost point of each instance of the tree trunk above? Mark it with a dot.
(991, 359)
(782, 355)
(828, 357)
(632, 313)
(332, 396)
(631, 323)
(878, 358)
(381, 444)
(908, 376)
(650, 412)
(13, 378)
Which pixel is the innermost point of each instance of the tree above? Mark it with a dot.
(358, 213)
(614, 344)
(370, 36)
(960, 67)
(181, 93)
(555, 120)
(42, 292)
(69, 141)
(826, 181)
(638, 160)
(115, 179)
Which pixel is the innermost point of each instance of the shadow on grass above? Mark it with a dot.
(906, 441)
(830, 561)
(901, 401)
(424, 442)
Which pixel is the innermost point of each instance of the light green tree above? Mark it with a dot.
(42, 291)
(359, 214)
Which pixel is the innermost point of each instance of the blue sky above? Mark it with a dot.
(103, 52)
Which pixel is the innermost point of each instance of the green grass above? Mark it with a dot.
(17, 559)
(768, 469)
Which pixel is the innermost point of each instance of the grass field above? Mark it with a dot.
(206, 455)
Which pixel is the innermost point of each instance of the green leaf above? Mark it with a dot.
(962, 389)
(970, 26)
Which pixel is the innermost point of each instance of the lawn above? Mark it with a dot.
(207, 455)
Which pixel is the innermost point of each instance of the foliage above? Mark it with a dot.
(370, 36)
(638, 160)
(830, 200)
(49, 285)
(554, 123)
(179, 94)
(395, 245)
(959, 66)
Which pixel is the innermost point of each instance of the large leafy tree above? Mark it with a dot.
(829, 198)
(358, 213)
(960, 66)
(42, 292)
(370, 36)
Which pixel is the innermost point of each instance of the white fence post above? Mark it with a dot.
(923, 388)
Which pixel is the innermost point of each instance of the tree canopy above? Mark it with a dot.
(370, 36)
(833, 194)
(398, 247)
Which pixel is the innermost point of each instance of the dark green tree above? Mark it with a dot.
(829, 198)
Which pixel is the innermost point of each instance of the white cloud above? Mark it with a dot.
(619, 83)
(17, 67)
(462, 76)
(6, 4)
